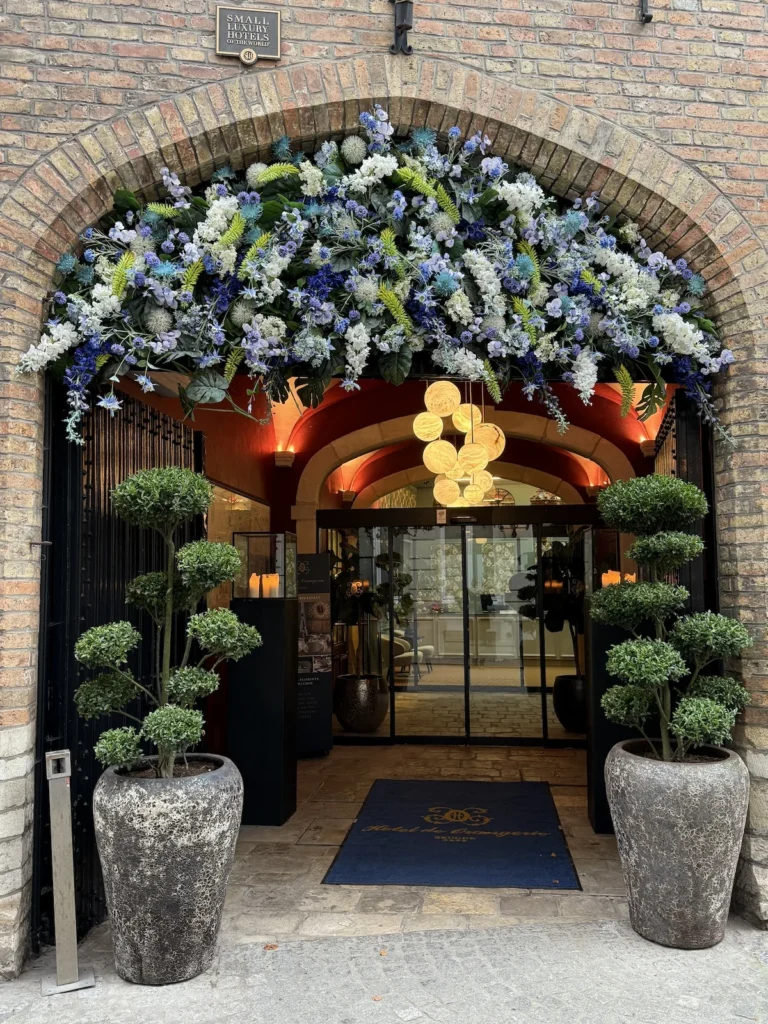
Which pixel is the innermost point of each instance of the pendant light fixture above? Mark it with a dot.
(467, 416)
(442, 398)
(445, 490)
(473, 494)
(440, 456)
(483, 479)
(472, 457)
(427, 426)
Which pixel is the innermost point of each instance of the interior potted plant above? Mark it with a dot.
(166, 823)
(678, 797)
(563, 607)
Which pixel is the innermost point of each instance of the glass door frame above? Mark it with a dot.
(537, 517)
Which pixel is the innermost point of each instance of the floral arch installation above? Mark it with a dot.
(378, 255)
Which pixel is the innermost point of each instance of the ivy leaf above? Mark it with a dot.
(207, 388)
(126, 200)
(488, 197)
(706, 325)
(395, 366)
(271, 212)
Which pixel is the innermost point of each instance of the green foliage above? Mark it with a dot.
(632, 604)
(492, 382)
(204, 565)
(396, 310)
(234, 359)
(528, 250)
(699, 720)
(446, 204)
(173, 729)
(627, 705)
(275, 172)
(416, 182)
(120, 276)
(103, 694)
(234, 232)
(724, 689)
(220, 632)
(258, 246)
(190, 684)
(624, 379)
(649, 504)
(106, 646)
(162, 499)
(119, 748)
(648, 663)
(192, 275)
(164, 210)
(707, 636)
(667, 551)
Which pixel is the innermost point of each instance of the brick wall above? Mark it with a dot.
(667, 121)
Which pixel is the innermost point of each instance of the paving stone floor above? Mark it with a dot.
(276, 889)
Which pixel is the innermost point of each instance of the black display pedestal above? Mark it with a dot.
(262, 710)
(601, 734)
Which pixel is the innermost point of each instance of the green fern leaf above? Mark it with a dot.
(589, 278)
(274, 172)
(491, 382)
(525, 315)
(260, 244)
(120, 277)
(395, 308)
(101, 360)
(624, 379)
(389, 246)
(164, 210)
(234, 232)
(234, 359)
(191, 276)
(416, 182)
(528, 250)
(446, 204)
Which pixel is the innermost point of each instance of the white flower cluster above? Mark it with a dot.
(58, 339)
(481, 268)
(354, 150)
(460, 362)
(584, 371)
(682, 337)
(217, 219)
(636, 288)
(366, 290)
(459, 308)
(358, 344)
(312, 181)
(372, 170)
(252, 174)
(270, 326)
(522, 196)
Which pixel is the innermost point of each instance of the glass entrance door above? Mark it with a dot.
(474, 631)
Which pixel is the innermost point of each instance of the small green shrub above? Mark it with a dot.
(163, 499)
(703, 709)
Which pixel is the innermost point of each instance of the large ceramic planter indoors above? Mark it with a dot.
(679, 828)
(360, 702)
(570, 703)
(166, 849)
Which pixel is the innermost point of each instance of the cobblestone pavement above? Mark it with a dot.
(276, 889)
(532, 974)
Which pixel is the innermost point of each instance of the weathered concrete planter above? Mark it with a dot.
(166, 849)
(679, 828)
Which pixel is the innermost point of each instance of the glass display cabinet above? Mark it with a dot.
(268, 565)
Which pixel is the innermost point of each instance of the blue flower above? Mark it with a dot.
(524, 266)
(282, 149)
(145, 383)
(423, 137)
(168, 246)
(166, 270)
(696, 285)
(60, 299)
(454, 133)
(85, 275)
(66, 263)
(110, 402)
(222, 174)
(445, 284)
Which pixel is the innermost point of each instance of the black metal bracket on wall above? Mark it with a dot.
(645, 14)
(403, 25)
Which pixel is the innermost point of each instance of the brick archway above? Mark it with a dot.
(570, 150)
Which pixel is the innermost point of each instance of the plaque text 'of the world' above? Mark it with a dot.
(248, 34)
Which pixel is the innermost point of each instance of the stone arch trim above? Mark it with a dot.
(535, 477)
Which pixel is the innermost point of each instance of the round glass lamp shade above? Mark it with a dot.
(427, 426)
(483, 480)
(445, 490)
(455, 472)
(472, 457)
(474, 494)
(491, 437)
(465, 416)
(440, 456)
(442, 398)
(459, 503)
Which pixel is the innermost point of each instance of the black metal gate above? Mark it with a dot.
(88, 557)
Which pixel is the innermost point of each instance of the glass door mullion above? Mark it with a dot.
(467, 638)
(542, 636)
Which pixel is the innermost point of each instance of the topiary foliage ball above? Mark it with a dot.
(700, 720)
(666, 552)
(162, 499)
(631, 605)
(651, 504)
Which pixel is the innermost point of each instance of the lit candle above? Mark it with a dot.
(270, 584)
(611, 577)
(253, 584)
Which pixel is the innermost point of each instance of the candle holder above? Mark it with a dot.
(268, 565)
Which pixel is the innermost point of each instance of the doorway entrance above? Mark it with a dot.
(475, 623)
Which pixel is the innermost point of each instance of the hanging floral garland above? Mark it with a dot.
(374, 256)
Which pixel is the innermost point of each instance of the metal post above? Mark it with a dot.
(58, 771)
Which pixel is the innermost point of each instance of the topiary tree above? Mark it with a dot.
(162, 500)
(660, 669)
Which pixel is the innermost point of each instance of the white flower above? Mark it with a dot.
(140, 246)
(522, 195)
(584, 371)
(58, 339)
(312, 181)
(460, 362)
(318, 254)
(372, 170)
(487, 281)
(270, 326)
(220, 212)
(669, 298)
(367, 290)
(682, 338)
(158, 320)
(103, 302)
(252, 174)
(358, 343)
(629, 231)
(442, 226)
(354, 150)
(241, 312)
(459, 308)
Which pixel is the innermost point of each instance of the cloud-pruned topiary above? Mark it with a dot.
(701, 709)
(162, 500)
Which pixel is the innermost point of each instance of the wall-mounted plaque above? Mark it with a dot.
(248, 34)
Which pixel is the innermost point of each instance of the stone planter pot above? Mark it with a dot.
(570, 703)
(360, 702)
(166, 848)
(679, 828)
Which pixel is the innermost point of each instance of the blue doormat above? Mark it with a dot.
(482, 834)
